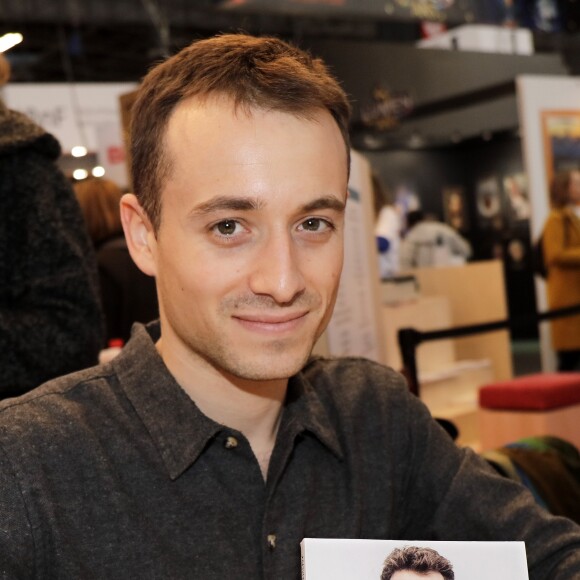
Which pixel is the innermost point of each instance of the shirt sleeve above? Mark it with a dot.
(17, 552)
(457, 496)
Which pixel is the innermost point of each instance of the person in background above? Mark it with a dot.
(128, 295)
(387, 230)
(50, 315)
(561, 246)
(415, 563)
(214, 442)
(431, 243)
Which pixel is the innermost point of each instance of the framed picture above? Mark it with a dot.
(488, 203)
(455, 208)
(561, 131)
(516, 196)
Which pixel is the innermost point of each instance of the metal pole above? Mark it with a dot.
(409, 338)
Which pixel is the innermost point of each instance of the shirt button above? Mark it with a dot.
(271, 541)
(231, 443)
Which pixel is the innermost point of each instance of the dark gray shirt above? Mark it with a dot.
(114, 473)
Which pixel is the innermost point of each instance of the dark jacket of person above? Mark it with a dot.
(128, 294)
(50, 315)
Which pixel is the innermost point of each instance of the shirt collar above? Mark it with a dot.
(304, 411)
(177, 427)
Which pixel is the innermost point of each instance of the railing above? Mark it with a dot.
(410, 338)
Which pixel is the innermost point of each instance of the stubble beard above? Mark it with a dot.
(273, 362)
(277, 358)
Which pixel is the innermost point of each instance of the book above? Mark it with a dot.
(376, 559)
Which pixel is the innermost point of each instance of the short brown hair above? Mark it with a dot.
(560, 188)
(265, 73)
(415, 559)
(99, 200)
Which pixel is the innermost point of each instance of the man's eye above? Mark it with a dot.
(227, 227)
(315, 225)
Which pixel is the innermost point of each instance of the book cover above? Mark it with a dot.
(412, 560)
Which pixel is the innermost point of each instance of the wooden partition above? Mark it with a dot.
(452, 370)
(476, 293)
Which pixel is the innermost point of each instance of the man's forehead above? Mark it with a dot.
(196, 122)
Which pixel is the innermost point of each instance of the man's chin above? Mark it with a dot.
(274, 368)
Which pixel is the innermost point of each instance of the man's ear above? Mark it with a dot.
(139, 234)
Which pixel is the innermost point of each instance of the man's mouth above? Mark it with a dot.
(271, 322)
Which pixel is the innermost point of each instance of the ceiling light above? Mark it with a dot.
(79, 174)
(78, 151)
(7, 41)
(98, 171)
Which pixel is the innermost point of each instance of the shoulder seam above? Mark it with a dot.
(18, 402)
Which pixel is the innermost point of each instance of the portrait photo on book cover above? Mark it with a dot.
(412, 560)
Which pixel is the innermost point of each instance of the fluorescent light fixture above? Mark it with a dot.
(7, 41)
(78, 151)
(80, 174)
(98, 171)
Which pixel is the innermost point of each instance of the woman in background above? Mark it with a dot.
(128, 295)
(387, 229)
(561, 245)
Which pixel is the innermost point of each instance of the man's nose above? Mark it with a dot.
(276, 271)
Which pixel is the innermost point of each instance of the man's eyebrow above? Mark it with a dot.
(227, 203)
(224, 202)
(325, 202)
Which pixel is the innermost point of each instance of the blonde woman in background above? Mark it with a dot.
(561, 245)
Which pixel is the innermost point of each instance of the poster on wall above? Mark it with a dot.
(355, 327)
(515, 188)
(516, 255)
(455, 208)
(561, 131)
(489, 206)
(85, 114)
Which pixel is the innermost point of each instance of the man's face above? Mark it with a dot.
(249, 251)
(410, 575)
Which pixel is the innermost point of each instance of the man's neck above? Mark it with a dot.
(252, 407)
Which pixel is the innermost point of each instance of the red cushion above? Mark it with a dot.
(533, 392)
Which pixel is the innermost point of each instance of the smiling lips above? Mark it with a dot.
(264, 322)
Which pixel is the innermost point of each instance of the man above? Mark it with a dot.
(50, 314)
(431, 243)
(414, 563)
(211, 446)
